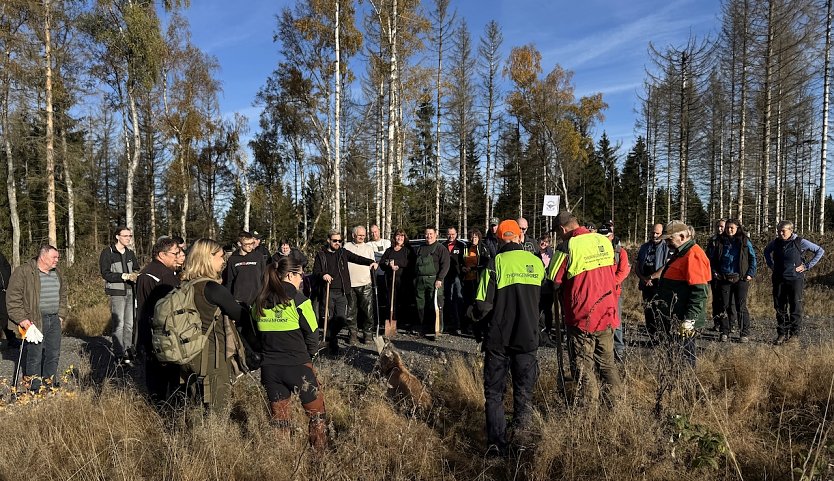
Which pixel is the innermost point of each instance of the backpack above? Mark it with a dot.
(177, 333)
(425, 263)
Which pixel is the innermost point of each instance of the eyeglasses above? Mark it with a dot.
(248, 244)
(336, 241)
(176, 253)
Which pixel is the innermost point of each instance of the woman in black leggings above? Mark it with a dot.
(287, 326)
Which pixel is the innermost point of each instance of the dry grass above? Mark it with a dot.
(747, 413)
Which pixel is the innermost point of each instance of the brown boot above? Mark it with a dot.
(353, 338)
(280, 414)
(317, 429)
(318, 432)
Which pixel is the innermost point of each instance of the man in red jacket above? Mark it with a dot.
(583, 270)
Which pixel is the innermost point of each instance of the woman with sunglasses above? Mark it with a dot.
(287, 326)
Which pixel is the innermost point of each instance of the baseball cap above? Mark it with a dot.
(494, 221)
(605, 228)
(508, 229)
(674, 227)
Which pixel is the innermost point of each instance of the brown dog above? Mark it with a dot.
(401, 383)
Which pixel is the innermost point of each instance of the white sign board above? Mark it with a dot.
(550, 206)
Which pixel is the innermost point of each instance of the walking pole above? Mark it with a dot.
(326, 311)
(17, 366)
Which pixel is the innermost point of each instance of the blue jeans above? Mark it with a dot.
(121, 314)
(41, 361)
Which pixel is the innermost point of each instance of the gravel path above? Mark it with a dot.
(417, 352)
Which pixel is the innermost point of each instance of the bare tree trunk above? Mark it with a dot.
(441, 6)
(743, 121)
(682, 135)
(50, 127)
(765, 174)
(11, 188)
(186, 190)
(337, 137)
(134, 159)
(70, 197)
(392, 116)
(824, 136)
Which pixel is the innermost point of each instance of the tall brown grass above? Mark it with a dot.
(751, 412)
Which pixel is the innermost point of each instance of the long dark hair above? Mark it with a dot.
(272, 289)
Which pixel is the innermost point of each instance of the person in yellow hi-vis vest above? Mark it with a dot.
(506, 312)
(287, 325)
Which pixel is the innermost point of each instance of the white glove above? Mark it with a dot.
(687, 328)
(33, 335)
(130, 277)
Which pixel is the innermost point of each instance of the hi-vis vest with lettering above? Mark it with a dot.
(587, 252)
(286, 319)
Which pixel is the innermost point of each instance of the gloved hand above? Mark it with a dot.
(33, 335)
(687, 328)
(130, 277)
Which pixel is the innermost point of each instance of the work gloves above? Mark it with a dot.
(687, 328)
(32, 334)
(130, 277)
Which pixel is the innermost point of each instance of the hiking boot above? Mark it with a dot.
(744, 339)
(353, 338)
(780, 339)
(724, 338)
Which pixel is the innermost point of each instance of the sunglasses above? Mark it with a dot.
(337, 241)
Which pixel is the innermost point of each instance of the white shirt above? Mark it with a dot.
(360, 275)
(380, 246)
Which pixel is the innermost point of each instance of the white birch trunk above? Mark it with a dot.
(50, 128)
(824, 136)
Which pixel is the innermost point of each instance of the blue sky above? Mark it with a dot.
(603, 41)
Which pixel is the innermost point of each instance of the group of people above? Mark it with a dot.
(500, 288)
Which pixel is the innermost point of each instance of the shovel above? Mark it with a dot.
(379, 342)
(391, 323)
(436, 316)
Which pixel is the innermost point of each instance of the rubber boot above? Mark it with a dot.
(317, 429)
(280, 415)
(353, 338)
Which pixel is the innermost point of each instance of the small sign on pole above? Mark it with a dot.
(550, 206)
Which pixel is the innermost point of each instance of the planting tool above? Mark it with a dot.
(436, 316)
(379, 342)
(391, 323)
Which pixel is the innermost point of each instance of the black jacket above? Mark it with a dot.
(112, 264)
(507, 302)
(5, 274)
(244, 274)
(296, 341)
(154, 282)
(456, 256)
(336, 264)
